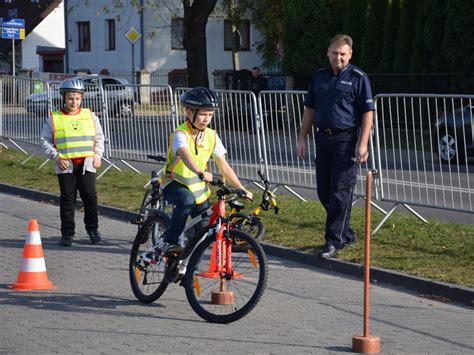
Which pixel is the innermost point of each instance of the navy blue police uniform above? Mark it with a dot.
(338, 102)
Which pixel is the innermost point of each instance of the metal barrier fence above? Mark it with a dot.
(281, 113)
(423, 147)
(419, 145)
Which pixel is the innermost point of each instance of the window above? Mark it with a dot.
(84, 36)
(110, 33)
(244, 30)
(177, 28)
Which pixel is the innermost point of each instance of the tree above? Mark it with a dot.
(392, 21)
(355, 18)
(420, 55)
(433, 33)
(195, 21)
(267, 17)
(307, 28)
(406, 32)
(458, 44)
(372, 44)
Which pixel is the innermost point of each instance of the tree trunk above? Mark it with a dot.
(195, 21)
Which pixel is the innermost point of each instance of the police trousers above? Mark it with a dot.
(336, 175)
(69, 184)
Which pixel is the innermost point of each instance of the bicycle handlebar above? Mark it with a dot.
(226, 189)
(158, 158)
(268, 197)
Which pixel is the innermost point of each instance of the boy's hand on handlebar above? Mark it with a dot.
(248, 195)
(207, 176)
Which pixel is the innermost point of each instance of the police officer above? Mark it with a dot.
(74, 139)
(339, 104)
(185, 179)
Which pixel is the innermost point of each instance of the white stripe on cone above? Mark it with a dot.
(32, 265)
(33, 237)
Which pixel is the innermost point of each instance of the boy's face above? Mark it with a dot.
(203, 117)
(73, 101)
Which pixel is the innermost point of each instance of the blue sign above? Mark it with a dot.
(12, 22)
(13, 33)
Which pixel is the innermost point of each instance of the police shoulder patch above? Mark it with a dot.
(357, 71)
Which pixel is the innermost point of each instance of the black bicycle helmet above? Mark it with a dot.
(199, 97)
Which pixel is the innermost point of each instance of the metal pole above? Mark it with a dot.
(133, 63)
(367, 343)
(13, 56)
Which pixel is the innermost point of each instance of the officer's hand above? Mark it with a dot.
(361, 154)
(301, 149)
(63, 163)
(97, 162)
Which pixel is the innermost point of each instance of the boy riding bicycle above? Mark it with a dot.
(185, 180)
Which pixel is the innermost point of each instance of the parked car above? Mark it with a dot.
(120, 97)
(454, 133)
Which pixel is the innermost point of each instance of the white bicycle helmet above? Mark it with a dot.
(71, 85)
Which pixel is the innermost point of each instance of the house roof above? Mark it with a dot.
(32, 12)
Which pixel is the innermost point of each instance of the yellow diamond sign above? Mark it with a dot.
(133, 35)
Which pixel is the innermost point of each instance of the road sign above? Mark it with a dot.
(12, 22)
(133, 35)
(13, 33)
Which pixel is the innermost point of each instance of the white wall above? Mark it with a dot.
(157, 39)
(50, 33)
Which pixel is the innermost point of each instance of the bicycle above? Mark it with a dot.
(153, 200)
(221, 285)
(251, 222)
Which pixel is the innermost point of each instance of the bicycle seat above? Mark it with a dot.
(237, 205)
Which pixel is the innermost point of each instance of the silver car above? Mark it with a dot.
(120, 97)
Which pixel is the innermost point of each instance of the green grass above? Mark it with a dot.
(438, 250)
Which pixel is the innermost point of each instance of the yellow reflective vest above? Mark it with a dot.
(175, 168)
(74, 135)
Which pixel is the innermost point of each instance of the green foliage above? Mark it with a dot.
(458, 40)
(420, 56)
(355, 18)
(372, 44)
(267, 17)
(433, 33)
(390, 34)
(406, 33)
(307, 28)
(438, 250)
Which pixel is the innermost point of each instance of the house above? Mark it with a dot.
(100, 37)
(43, 47)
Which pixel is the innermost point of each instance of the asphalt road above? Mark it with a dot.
(304, 309)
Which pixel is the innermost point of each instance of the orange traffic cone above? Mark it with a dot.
(33, 274)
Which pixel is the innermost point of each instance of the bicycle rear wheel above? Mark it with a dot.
(146, 267)
(224, 298)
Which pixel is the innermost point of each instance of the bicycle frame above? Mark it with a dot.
(217, 224)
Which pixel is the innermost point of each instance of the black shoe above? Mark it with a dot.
(95, 237)
(66, 240)
(171, 249)
(328, 252)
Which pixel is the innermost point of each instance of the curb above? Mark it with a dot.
(428, 288)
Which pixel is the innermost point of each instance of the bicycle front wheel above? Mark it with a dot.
(220, 297)
(146, 267)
